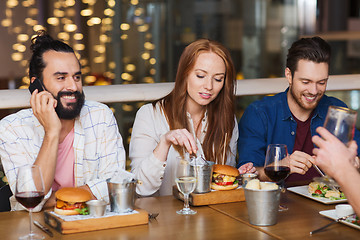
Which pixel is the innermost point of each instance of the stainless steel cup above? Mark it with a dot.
(122, 196)
(263, 206)
(246, 177)
(96, 207)
(203, 176)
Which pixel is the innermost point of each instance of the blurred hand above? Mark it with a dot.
(247, 168)
(333, 156)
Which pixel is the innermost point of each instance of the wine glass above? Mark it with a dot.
(30, 192)
(277, 165)
(186, 182)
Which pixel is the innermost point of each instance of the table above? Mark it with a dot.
(206, 224)
(296, 223)
(220, 221)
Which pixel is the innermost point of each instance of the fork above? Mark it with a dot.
(329, 224)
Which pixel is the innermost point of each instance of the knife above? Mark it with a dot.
(42, 227)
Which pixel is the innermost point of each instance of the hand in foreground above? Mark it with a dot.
(247, 168)
(332, 155)
(183, 138)
(300, 162)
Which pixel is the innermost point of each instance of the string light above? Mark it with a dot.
(62, 22)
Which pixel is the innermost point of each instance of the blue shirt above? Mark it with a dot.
(270, 121)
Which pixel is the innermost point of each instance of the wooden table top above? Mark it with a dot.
(220, 221)
(208, 223)
(297, 222)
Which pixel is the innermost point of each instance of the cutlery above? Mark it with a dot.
(319, 171)
(42, 227)
(337, 220)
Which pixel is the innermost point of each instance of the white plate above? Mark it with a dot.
(332, 214)
(303, 190)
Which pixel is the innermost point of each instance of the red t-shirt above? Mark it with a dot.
(303, 142)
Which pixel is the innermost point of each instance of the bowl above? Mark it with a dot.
(343, 210)
(96, 207)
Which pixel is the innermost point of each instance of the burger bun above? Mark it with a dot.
(72, 194)
(224, 187)
(65, 212)
(226, 170)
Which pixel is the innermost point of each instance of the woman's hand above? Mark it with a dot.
(332, 155)
(183, 138)
(180, 137)
(247, 168)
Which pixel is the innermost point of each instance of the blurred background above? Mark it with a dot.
(140, 41)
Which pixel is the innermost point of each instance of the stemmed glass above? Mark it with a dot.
(30, 192)
(277, 165)
(185, 180)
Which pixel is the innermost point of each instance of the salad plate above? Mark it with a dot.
(303, 191)
(332, 214)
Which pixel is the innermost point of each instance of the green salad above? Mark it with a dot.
(326, 192)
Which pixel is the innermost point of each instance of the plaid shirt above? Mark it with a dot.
(98, 147)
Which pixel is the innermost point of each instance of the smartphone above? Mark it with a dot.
(36, 84)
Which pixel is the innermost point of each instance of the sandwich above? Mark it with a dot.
(71, 201)
(224, 177)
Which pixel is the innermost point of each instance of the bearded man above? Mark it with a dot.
(291, 117)
(75, 142)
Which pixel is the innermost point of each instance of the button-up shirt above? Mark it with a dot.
(98, 147)
(269, 121)
(158, 177)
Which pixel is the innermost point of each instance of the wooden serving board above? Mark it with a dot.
(92, 224)
(213, 197)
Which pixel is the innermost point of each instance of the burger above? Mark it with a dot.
(71, 201)
(224, 177)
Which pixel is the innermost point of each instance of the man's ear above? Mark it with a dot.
(288, 76)
(32, 79)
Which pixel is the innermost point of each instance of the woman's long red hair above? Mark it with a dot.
(220, 111)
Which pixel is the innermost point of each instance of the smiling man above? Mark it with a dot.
(291, 117)
(75, 142)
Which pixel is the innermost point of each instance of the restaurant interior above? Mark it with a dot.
(125, 42)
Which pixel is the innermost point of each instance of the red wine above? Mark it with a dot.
(29, 199)
(277, 173)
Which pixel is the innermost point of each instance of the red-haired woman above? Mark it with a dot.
(202, 105)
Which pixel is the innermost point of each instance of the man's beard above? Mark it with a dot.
(71, 110)
(298, 99)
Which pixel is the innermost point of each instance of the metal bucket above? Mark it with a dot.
(122, 196)
(263, 206)
(204, 176)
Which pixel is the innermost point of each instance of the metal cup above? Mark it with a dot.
(203, 176)
(246, 177)
(122, 196)
(96, 207)
(263, 206)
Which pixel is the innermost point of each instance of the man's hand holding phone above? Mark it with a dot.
(43, 105)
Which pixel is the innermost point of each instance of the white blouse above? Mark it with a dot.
(158, 177)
